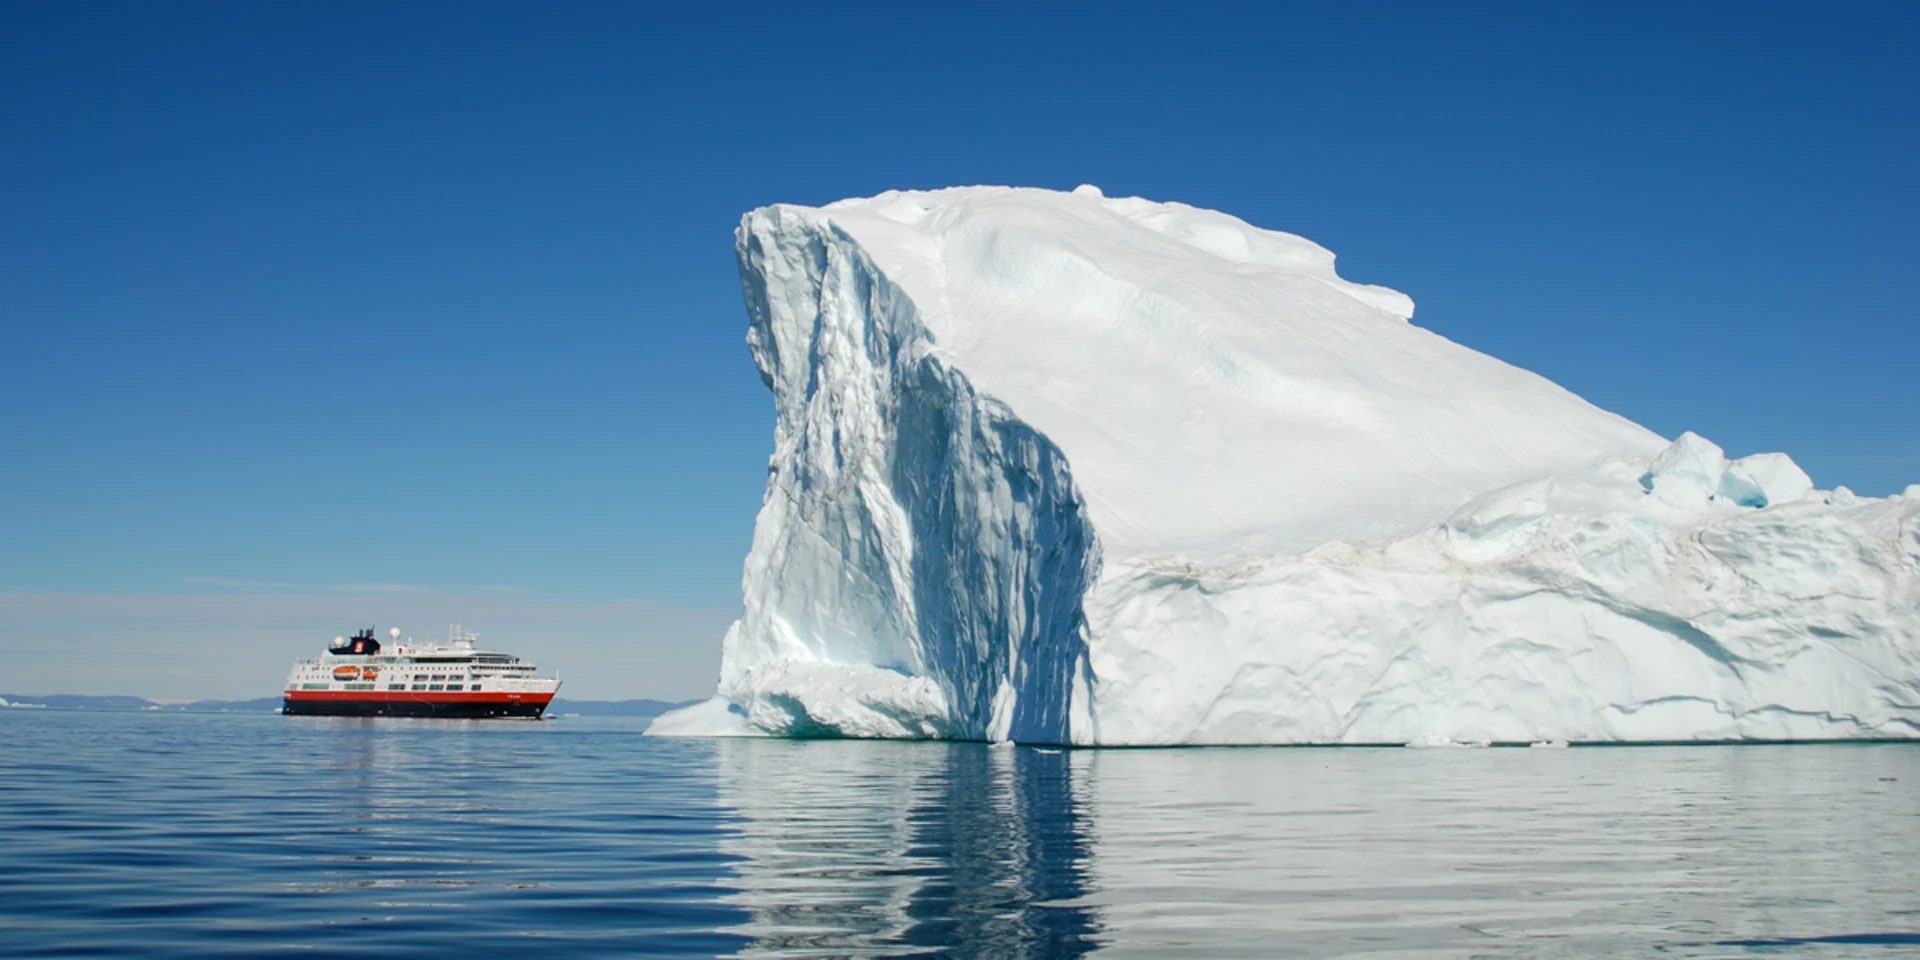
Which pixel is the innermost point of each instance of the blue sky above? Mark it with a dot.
(316, 315)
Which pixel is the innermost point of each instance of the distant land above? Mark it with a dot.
(69, 701)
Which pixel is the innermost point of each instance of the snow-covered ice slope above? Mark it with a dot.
(1059, 467)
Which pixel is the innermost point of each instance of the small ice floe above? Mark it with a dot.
(1438, 743)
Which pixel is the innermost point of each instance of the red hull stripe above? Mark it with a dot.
(404, 696)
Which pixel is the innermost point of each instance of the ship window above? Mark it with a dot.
(419, 686)
(313, 686)
(436, 686)
(396, 686)
(474, 687)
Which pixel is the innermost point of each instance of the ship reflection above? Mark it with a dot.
(901, 849)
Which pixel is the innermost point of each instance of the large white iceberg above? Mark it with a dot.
(1064, 468)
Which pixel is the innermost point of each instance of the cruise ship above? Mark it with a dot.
(361, 677)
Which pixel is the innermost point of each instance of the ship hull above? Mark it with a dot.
(462, 707)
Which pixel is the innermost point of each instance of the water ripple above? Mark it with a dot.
(173, 835)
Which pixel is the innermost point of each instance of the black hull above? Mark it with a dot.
(412, 708)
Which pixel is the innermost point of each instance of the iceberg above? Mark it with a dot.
(1068, 469)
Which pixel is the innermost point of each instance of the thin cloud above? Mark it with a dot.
(229, 583)
(508, 590)
(232, 584)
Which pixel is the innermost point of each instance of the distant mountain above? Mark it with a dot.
(613, 708)
(73, 701)
(69, 701)
(256, 705)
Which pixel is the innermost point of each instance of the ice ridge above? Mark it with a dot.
(922, 551)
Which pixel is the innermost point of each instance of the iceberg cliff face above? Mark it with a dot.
(1069, 469)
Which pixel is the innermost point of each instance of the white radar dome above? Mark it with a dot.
(339, 641)
(393, 632)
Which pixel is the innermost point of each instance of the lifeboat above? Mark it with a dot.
(346, 673)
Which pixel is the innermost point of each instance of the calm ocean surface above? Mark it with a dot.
(181, 835)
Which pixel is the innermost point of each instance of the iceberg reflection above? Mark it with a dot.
(889, 849)
(847, 848)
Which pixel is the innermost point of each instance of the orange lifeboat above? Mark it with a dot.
(370, 673)
(346, 673)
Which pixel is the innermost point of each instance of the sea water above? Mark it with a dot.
(183, 835)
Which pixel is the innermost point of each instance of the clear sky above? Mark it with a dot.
(315, 316)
